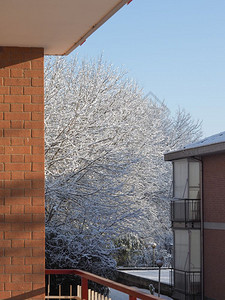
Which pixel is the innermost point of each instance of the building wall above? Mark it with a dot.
(214, 225)
(21, 173)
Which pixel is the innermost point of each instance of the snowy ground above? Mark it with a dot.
(151, 274)
(116, 295)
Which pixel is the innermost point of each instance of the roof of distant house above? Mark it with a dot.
(210, 145)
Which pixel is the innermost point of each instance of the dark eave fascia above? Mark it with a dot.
(197, 151)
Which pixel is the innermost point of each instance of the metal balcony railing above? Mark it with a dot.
(84, 294)
(185, 210)
(187, 283)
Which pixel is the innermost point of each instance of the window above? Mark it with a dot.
(187, 250)
(186, 178)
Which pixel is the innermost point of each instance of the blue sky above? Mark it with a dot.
(173, 48)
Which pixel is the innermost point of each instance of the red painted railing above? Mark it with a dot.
(85, 276)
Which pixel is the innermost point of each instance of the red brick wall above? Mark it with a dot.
(214, 188)
(214, 264)
(21, 173)
(214, 211)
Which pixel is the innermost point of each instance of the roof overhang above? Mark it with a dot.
(196, 151)
(58, 26)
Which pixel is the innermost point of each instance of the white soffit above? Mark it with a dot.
(58, 26)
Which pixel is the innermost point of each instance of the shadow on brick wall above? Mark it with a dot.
(10, 56)
(28, 295)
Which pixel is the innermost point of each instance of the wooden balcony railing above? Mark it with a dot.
(85, 276)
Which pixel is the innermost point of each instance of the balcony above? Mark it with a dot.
(187, 283)
(185, 210)
(82, 292)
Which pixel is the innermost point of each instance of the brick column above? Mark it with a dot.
(214, 213)
(21, 173)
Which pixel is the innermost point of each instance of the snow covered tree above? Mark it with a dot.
(105, 174)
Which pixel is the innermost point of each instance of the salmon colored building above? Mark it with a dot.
(198, 219)
(30, 29)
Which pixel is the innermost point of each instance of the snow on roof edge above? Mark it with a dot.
(213, 139)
